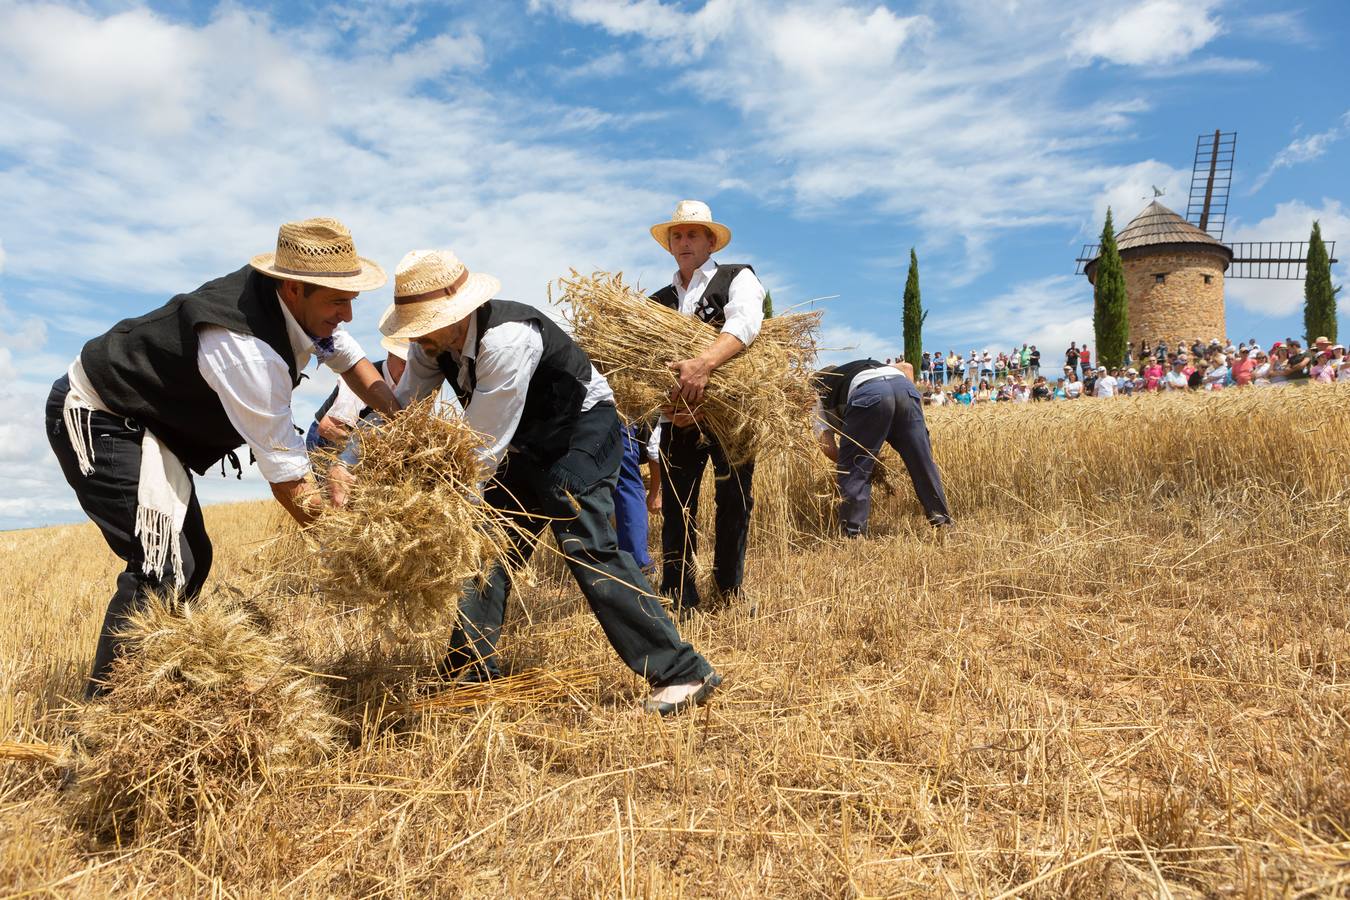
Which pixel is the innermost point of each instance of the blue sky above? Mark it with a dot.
(147, 148)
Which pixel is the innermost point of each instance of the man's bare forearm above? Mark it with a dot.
(300, 499)
(365, 381)
(724, 348)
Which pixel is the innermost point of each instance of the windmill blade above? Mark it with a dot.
(1211, 179)
(1273, 260)
(1087, 255)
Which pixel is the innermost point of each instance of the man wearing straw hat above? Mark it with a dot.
(731, 299)
(869, 404)
(184, 386)
(553, 443)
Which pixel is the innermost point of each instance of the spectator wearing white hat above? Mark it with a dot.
(1106, 384)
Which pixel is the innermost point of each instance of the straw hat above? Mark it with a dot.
(693, 212)
(433, 289)
(396, 347)
(320, 251)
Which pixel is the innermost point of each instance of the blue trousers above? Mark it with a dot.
(886, 411)
(630, 500)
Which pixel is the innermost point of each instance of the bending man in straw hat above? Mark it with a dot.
(182, 387)
(731, 299)
(553, 442)
(869, 404)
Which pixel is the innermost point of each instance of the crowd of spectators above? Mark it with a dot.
(1016, 376)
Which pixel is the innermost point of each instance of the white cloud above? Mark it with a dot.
(1304, 149)
(1148, 33)
(1291, 221)
(160, 154)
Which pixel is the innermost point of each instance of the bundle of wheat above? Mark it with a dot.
(203, 707)
(755, 403)
(413, 529)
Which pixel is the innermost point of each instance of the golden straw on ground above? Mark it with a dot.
(203, 708)
(755, 403)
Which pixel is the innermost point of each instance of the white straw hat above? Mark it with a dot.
(433, 289)
(320, 251)
(693, 212)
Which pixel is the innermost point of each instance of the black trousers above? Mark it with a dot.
(886, 410)
(108, 496)
(574, 496)
(685, 453)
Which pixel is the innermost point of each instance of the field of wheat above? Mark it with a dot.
(1123, 672)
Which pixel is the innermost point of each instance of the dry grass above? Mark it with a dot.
(1122, 673)
(204, 709)
(757, 403)
(411, 532)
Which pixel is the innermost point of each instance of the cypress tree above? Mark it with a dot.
(768, 304)
(1319, 297)
(1110, 305)
(913, 314)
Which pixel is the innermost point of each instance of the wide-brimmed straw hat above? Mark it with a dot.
(396, 346)
(433, 289)
(692, 212)
(320, 251)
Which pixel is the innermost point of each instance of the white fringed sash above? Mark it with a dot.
(164, 490)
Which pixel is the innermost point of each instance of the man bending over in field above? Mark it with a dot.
(554, 446)
(184, 386)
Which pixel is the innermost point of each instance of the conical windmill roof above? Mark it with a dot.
(1159, 230)
(1159, 225)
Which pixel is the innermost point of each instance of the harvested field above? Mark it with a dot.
(1123, 672)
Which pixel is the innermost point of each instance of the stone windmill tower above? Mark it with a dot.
(1175, 267)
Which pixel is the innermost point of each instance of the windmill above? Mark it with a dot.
(1175, 267)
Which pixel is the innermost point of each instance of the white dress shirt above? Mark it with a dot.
(504, 362)
(745, 300)
(254, 386)
(347, 405)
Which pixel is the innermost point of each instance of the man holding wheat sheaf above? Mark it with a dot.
(731, 299)
(552, 456)
(184, 386)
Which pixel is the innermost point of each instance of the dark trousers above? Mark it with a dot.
(685, 453)
(108, 496)
(630, 500)
(885, 410)
(573, 496)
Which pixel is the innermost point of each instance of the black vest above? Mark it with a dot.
(713, 304)
(146, 368)
(833, 384)
(556, 391)
(332, 398)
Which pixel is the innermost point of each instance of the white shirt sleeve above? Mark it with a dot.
(745, 307)
(420, 377)
(254, 386)
(346, 406)
(347, 352)
(654, 443)
(504, 365)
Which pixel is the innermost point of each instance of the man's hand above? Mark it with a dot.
(693, 373)
(654, 498)
(333, 430)
(340, 481)
(300, 498)
(828, 447)
(693, 377)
